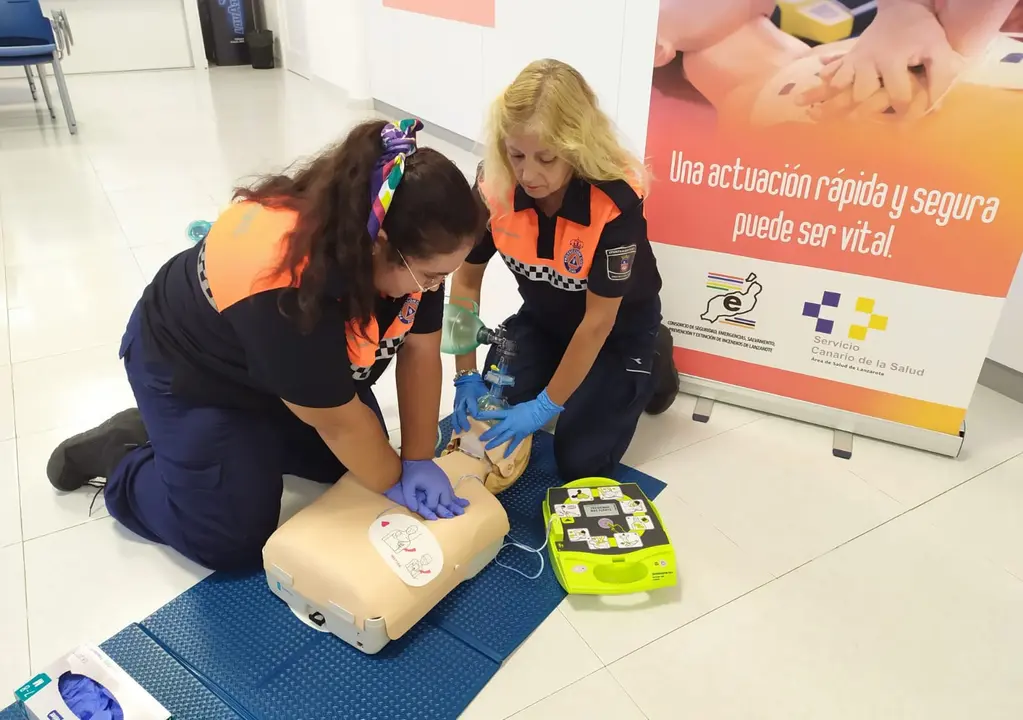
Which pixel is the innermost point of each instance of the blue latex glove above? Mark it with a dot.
(425, 489)
(519, 422)
(468, 391)
(86, 698)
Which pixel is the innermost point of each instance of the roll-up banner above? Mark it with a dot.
(838, 204)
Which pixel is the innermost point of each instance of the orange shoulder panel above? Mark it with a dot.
(610, 199)
(243, 249)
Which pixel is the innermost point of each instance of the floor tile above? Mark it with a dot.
(86, 583)
(77, 390)
(14, 659)
(68, 222)
(10, 502)
(43, 509)
(897, 624)
(994, 433)
(774, 488)
(552, 658)
(984, 515)
(675, 429)
(132, 166)
(97, 295)
(161, 214)
(712, 571)
(6, 403)
(5, 338)
(153, 257)
(595, 696)
(37, 165)
(40, 145)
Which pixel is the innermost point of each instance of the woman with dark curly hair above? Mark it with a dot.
(253, 354)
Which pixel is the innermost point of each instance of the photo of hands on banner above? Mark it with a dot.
(837, 196)
(768, 62)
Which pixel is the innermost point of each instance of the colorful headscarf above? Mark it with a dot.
(399, 140)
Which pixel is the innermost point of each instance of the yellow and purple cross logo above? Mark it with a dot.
(874, 321)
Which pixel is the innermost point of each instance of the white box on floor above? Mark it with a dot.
(42, 698)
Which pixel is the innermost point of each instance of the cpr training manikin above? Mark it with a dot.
(357, 565)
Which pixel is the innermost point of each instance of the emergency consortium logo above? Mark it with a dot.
(728, 316)
(733, 301)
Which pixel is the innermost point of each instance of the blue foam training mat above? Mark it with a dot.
(259, 661)
(184, 696)
(249, 648)
(173, 686)
(252, 651)
(499, 609)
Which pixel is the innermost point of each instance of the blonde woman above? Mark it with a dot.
(566, 216)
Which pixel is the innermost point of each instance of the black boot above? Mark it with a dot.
(665, 374)
(97, 452)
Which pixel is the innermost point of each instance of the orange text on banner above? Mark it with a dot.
(972, 256)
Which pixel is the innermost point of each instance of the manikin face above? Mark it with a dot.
(538, 169)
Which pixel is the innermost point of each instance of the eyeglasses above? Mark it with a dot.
(427, 288)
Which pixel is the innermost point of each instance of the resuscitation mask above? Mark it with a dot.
(462, 331)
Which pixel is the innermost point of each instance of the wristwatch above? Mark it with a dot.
(465, 373)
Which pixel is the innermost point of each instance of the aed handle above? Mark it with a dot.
(620, 573)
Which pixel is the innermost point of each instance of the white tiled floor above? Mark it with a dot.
(888, 586)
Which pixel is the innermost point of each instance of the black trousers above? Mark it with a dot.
(601, 416)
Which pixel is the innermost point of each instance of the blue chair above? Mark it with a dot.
(26, 39)
(31, 82)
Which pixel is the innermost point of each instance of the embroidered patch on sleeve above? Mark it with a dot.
(619, 262)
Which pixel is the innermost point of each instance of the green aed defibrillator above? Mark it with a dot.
(606, 538)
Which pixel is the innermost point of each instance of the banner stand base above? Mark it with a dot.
(842, 445)
(704, 407)
(840, 420)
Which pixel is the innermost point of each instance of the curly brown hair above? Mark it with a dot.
(434, 212)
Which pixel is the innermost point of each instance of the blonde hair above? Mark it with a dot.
(553, 100)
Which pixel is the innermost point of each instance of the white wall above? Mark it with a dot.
(272, 11)
(448, 72)
(325, 39)
(1007, 347)
(118, 35)
(337, 44)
